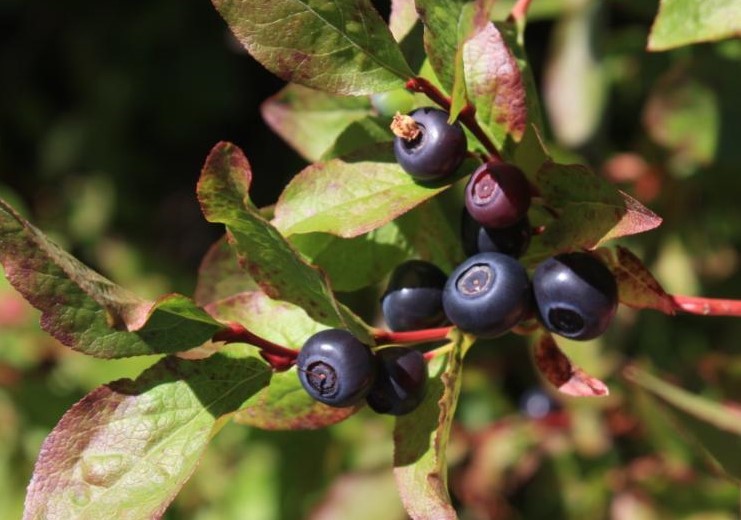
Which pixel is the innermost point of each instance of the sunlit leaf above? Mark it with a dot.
(339, 46)
(682, 22)
(129, 446)
(348, 197)
(310, 120)
(440, 18)
(269, 259)
(88, 312)
(421, 438)
(220, 275)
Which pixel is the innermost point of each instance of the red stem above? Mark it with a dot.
(387, 337)
(707, 306)
(467, 115)
(519, 10)
(236, 333)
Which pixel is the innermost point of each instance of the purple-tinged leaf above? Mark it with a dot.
(129, 446)
(716, 428)
(590, 210)
(310, 120)
(220, 275)
(440, 19)
(284, 404)
(88, 312)
(351, 196)
(343, 46)
(402, 18)
(421, 438)
(558, 370)
(271, 261)
(499, 82)
(637, 287)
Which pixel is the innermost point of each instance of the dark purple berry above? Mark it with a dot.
(437, 151)
(335, 368)
(401, 381)
(497, 195)
(413, 299)
(511, 240)
(576, 295)
(487, 295)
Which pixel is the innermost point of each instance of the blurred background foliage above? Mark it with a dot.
(107, 112)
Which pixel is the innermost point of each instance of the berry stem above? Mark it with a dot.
(431, 354)
(467, 115)
(278, 356)
(387, 337)
(707, 306)
(519, 11)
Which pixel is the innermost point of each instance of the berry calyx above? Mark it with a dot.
(401, 381)
(434, 149)
(413, 298)
(497, 195)
(575, 294)
(511, 240)
(335, 368)
(487, 295)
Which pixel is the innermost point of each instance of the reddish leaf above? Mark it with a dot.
(637, 287)
(220, 275)
(562, 373)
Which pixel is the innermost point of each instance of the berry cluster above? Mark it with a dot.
(571, 294)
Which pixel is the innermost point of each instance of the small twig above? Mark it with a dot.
(279, 357)
(387, 337)
(707, 306)
(467, 115)
(519, 11)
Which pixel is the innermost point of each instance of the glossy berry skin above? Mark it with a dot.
(512, 240)
(497, 195)
(401, 381)
(437, 151)
(487, 295)
(575, 294)
(335, 368)
(414, 297)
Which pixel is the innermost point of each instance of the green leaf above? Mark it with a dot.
(440, 18)
(353, 263)
(284, 404)
(716, 428)
(129, 446)
(276, 266)
(637, 287)
(499, 82)
(590, 211)
(353, 195)
(87, 312)
(310, 120)
(683, 22)
(421, 438)
(360, 134)
(220, 275)
(339, 46)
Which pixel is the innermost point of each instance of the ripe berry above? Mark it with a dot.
(335, 368)
(413, 299)
(497, 195)
(438, 149)
(401, 381)
(487, 295)
(512, 240)
(576, 295)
